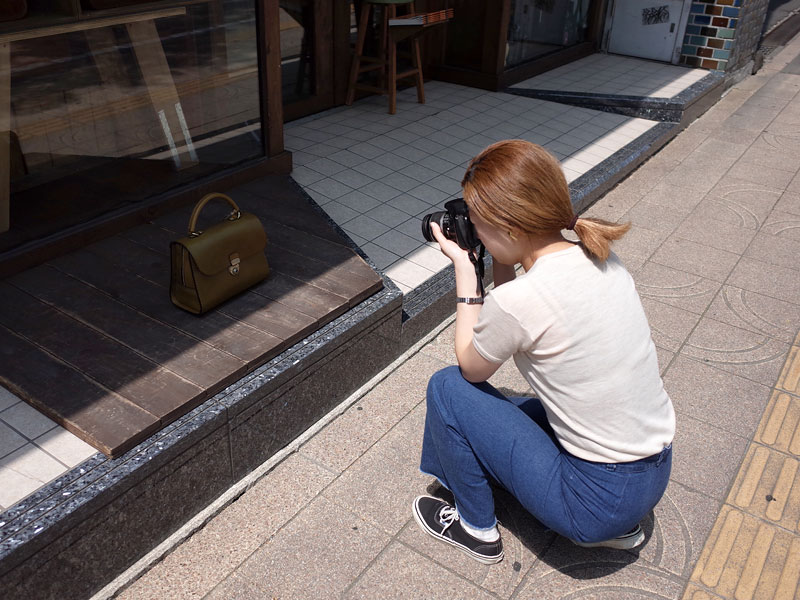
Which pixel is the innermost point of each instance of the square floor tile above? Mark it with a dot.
(27, 420)
(408, 273)
(398, 242)
(716, 397)
(365, 227)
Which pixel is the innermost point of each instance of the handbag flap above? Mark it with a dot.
(213, 249)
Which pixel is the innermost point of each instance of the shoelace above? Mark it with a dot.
(447, 516)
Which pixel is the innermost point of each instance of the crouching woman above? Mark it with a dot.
(590, 455)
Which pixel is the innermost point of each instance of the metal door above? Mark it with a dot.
(647, 28)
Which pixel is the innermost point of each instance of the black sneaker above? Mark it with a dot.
(624, 542)
(439, 519)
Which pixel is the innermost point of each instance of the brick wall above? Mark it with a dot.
(722, 34)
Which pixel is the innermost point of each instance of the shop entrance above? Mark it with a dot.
(652, 29)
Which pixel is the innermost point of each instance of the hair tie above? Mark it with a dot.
(571, 225)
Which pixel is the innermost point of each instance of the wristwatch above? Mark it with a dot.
(478, 300)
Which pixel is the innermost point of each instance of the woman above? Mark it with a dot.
(591, 454)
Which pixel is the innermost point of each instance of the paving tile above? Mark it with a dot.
(677, 288)
(65, 447)
(10, 440)
(399, 572)
(706, 458)
(408, 273)
(720, 399)
(681, 200)
(330, 188)
(771, 280)
(705, 227)
(779, 251)
(399, 243)
(352, 179)
(685, 255)
(670, 326)
(358, 201)
(7, 399)
(294, 564)
(365, 227)
(379, 489)
(758, 173)
(430, 258)
(756, 312)
(25, 470)
(696, 177)
(27, 420)
(740, 202)
(638, 246)
(745, 353)
(782, 224)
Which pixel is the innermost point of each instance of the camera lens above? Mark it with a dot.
(442, 219)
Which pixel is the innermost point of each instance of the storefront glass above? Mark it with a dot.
(111, 102)
(539, 27)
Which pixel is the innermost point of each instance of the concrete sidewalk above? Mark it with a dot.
(715, 251)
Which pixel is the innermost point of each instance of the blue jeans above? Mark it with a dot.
(474, 435)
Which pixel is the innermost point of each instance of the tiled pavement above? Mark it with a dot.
(376, 175)
(714, 250)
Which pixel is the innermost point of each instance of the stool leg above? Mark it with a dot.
(418, 65)
(392, 67)
(416, 57)
(362, 35)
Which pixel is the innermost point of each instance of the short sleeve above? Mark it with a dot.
(498, 335)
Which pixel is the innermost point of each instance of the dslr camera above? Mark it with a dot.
(454, 223)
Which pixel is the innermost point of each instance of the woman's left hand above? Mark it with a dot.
(449, 248)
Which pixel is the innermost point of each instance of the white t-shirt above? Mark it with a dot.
(578, 334)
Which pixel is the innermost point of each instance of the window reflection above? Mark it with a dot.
(539, 27)
(107, 109)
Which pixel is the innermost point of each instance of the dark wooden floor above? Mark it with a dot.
(92, 340)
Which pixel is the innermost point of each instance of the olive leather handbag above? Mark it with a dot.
(210, 266)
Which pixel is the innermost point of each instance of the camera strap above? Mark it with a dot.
(479, 269)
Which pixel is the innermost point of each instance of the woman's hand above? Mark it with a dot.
(448, 247)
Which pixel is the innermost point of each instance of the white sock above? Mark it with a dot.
(485, 535)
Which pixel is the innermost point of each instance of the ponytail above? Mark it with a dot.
(596, 235)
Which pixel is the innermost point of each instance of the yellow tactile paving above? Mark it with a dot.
(753, 551)
(780, 427)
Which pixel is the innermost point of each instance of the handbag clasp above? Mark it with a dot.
(234, 268)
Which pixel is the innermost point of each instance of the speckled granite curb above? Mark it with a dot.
(655, 109)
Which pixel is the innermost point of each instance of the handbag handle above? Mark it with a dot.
(235, 213)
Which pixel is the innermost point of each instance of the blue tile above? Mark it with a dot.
(698, 41)
(702, 19)
(728, 45)
(697, 8)
(723, 54)
(693, 30)
(730, 11)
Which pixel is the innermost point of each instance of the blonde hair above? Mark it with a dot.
(519, 187)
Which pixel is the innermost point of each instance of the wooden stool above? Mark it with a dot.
(388, 76)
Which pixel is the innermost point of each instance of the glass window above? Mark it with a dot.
(112, 102)
(538, 27)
